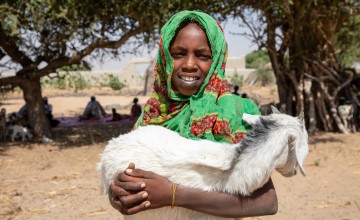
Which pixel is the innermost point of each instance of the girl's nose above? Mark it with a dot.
(190, 63)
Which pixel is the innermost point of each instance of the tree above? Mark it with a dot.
(300, 37)
(259, 60)
(39, 37)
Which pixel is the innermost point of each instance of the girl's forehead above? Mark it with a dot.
(191, 30)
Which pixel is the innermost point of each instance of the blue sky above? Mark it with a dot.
(238, 46)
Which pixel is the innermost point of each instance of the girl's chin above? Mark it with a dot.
(188, 91)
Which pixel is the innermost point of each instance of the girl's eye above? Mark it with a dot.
(177, 54)
(204, 56)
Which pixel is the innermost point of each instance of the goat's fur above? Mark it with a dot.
(277, 141)
(23, 132)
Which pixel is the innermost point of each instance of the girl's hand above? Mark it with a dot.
(128, 197)
(132, 199)
(158, 188)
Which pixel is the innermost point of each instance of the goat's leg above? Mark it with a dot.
(352, 127)
(344, 120)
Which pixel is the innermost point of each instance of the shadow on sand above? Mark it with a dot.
(322, 140)
(76, 136)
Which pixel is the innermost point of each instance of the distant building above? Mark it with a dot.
(133, 74)
(237, 65)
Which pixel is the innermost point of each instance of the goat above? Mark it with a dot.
(23, 132)
(277, 141)
(346, 113)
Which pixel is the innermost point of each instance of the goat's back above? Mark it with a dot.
(166, 153)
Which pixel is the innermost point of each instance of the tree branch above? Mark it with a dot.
(11, 49)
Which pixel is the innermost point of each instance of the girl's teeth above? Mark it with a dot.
(188, 78)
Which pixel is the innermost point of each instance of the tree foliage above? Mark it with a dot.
(347, 41)
(257, 59)
(115, 83)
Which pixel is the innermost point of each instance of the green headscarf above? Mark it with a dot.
(213, 113)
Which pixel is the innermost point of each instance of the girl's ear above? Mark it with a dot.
(251, 119)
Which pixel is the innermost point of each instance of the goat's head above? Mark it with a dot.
(298, 148)
(294, 155)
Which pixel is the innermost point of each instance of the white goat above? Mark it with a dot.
(277, 141)
(346, 112)
(23, 132)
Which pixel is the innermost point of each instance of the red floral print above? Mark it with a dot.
(198, 127)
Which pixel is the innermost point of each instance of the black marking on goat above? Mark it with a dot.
(258, 134)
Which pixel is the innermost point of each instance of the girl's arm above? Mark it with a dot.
(137, 190)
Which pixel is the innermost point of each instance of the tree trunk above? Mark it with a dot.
(310, 106)
(38, 121)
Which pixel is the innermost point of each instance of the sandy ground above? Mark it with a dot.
(58, 180)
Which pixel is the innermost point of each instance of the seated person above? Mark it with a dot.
(93, 110)
(3, 124)
(135, 109)
(236, 89)
(21, 117)
(48, 107)
(23, 113)
(115, 116)
(48, 112)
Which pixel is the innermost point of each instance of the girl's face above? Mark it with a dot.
(191, 53)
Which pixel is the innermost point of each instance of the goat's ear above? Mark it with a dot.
(301, 116)
(301, 166)
(275, 110)
(301, 151)
(251, 119)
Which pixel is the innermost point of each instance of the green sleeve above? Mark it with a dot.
(250, 107)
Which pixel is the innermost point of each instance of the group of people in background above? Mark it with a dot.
(95, 111)
(23, 114)
(236, 92)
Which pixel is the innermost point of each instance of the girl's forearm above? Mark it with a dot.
(261, 202)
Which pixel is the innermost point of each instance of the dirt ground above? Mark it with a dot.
(58, 180)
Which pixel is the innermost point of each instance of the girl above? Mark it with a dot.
(191, 96)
